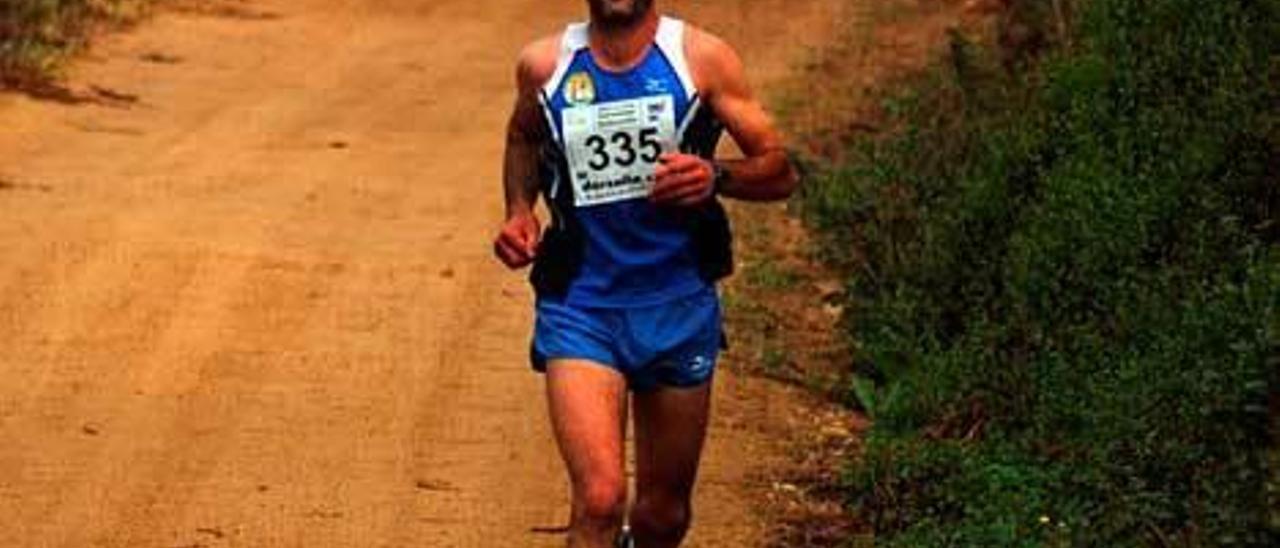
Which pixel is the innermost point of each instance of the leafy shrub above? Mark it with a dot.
(35, 35)
(1065, 271)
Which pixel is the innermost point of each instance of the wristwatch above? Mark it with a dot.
(721, 175)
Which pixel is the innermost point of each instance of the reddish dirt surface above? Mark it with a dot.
(246, 296)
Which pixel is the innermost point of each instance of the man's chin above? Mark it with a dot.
(620, 15)
(618, 19)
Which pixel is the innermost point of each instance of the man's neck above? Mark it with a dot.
(620, 47)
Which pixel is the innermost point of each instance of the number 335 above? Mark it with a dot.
(623, 152)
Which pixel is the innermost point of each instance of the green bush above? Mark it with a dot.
(36, 35)
(1065, 271)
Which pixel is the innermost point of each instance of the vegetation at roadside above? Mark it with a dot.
(1063, 280)
(36, 36)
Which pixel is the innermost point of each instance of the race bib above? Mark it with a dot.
(613, 148)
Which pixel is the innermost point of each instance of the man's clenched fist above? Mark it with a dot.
(517, 242)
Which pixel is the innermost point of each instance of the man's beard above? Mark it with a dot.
(615, 14)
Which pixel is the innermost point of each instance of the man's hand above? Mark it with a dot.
(517, 243)
(683, 180)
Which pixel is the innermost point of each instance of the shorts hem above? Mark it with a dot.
(646, 387)
(539, 361)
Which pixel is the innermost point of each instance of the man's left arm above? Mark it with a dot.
(764, 173)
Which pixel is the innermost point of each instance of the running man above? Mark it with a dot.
(615, 125)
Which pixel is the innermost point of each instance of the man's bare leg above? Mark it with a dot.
(588, 412)
(671, 424)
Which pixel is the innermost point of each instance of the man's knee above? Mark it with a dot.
(601, 501)
(665, 518)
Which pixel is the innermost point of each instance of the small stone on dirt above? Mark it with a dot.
(160, 58)
(433, 485)
(785, 487)
(829, 289)
(836, 431)
(211, 531)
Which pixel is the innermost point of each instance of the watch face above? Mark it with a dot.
(721, 175)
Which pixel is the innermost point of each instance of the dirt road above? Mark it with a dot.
(246, 297)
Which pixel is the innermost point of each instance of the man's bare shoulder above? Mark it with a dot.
(537, 61)
(713, 62)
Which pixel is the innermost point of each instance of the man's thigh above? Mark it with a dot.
(670, 426)
(587, 402)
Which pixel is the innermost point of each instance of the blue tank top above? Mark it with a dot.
(635, 253)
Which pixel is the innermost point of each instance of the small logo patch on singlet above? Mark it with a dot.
(579, 89)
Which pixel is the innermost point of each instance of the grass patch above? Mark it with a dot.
(769, 275)
(37, 36)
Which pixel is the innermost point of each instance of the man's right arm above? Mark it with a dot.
(517, 242)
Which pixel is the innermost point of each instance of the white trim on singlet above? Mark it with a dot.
(575, 38)
(670, 40)
(695, 103)
(545, 103)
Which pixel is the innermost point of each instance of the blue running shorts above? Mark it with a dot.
(671, 344)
